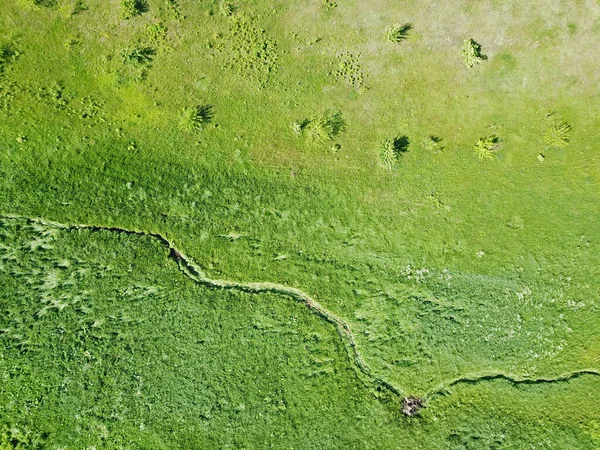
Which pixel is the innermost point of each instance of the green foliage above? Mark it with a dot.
(45, 3)
(397, 33)
(487, 147)
(324, 128)
(390, 151)
(8, 54)
(328, 5)
(557, 134)
(132, 8)
(138, 55)
(194, 118)
(156, 32)
(227, 8)
(471, 52)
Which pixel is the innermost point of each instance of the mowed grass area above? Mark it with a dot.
(443, 266)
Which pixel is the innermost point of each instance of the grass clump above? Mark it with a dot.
(557, 134)
(487, 147)
(132, 8)
(397, 33)
(324, 128)
(194, 118)
(471, 52)
(390, 151)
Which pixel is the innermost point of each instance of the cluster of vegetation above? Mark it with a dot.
(350, 69)
(398, 33)
(324, 128)
(558, 134)
(487, 147)
(250, 51)
(132, 8)
(390, 150)
(195, 118)
(471, 52)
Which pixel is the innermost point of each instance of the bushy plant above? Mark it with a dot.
(397, 33)
(487, 147)
(390, 150)
(132, 8)
(326, 127)
(194, 118)
(557, 134)
(138, 55)
(471, 52)
(45, 3)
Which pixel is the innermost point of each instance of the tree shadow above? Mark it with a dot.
(401, 144)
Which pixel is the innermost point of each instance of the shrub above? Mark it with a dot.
(397, 33)
(327, 127)
(557, 134)
(433, 143)
(471, 51)
(487, 147)
(45, 3)
(138, 55)
(390, 150)
(156, 32)
(195, 117)
(132, 8)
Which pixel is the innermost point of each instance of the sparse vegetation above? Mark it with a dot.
(487, 147)
(471, 52)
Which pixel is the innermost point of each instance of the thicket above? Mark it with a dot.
(471, 52)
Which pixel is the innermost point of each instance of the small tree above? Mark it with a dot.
(471, 51)
(195, 117)
(390, 150)
(397, 33)
(132, 8)
(487, 147)
(325, 128)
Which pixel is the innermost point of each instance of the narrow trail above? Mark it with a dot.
(191, 270)
(444, 387)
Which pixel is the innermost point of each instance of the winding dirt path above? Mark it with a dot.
(190, 269)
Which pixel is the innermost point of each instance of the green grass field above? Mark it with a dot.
(256, 224)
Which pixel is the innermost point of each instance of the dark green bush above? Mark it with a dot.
(132, 8)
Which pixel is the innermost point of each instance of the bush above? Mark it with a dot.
(132, 8)
(471, 51)
(397, 33)
(558, 134)
(390, 151)
(487, 147)
(327, 127)
(138, 55)
(195, 117)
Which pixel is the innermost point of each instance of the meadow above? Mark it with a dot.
(427, 173)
